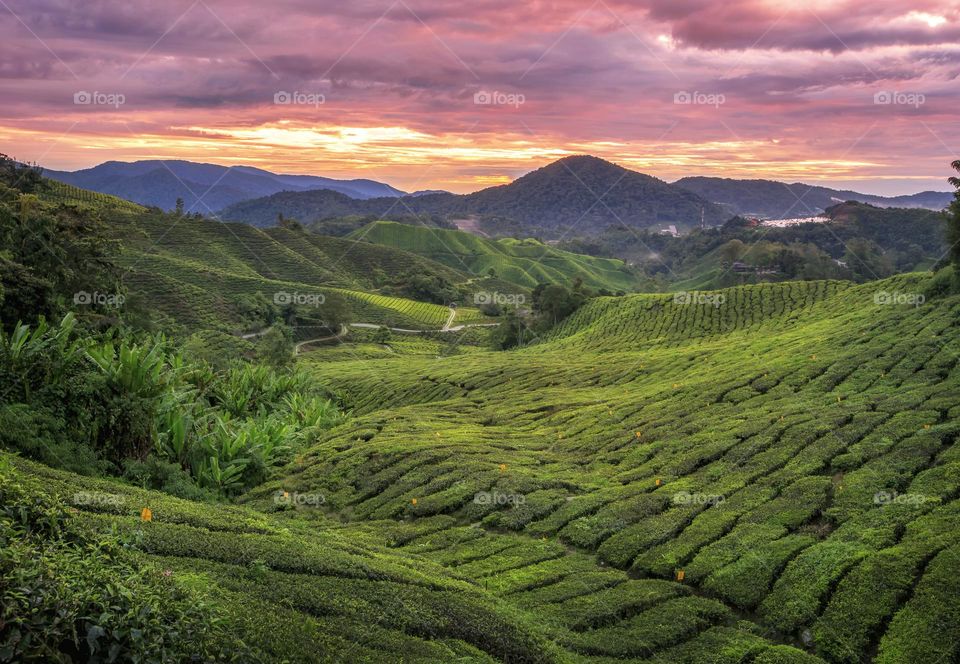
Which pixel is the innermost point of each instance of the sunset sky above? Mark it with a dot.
(459, 95)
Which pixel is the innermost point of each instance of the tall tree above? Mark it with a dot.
(953, 223)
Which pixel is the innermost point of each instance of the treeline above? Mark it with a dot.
(861, 243)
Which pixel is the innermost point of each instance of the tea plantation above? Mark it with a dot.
(197, 273)
(767, 477)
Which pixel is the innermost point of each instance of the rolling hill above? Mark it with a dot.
(203, 275)
(766, 473)
(778, 200)
(674, 482)
(204, 188)
(523, 262)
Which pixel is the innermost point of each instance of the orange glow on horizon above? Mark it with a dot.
(414, 160)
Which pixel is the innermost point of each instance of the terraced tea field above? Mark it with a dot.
(61, 192)
(523, 262)
(195, 272)
(770, 477)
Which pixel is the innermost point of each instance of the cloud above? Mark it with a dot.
(202, 75)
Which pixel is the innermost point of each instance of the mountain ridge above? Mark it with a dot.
(203, 187)
(579, 191)
(779, 200)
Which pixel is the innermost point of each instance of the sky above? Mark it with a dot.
(461, 95)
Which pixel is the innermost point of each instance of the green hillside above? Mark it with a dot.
(202, 273)
(68, 194)
(791, 451)
(769, 479)
(523, 262)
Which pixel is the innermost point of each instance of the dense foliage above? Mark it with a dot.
(131, 404)
(71, 595)
(861, 243)
(48, 254)
(953, 225)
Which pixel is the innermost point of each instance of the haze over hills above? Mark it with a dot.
(779, 200)
(162, 182)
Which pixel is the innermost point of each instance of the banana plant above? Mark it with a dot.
(227, 479)
(40, 355)
(136, 369)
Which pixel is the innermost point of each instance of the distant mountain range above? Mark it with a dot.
(578, 195)
(204, 188)
(778, 200)
(575, 195)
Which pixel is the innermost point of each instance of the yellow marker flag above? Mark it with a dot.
(146, 514)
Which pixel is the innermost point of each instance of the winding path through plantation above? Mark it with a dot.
(447, 327)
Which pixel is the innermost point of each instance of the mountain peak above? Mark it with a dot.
(577, 162)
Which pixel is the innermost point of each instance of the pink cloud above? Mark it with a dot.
(599, 76)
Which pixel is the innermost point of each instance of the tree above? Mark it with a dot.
(732, 250)
(49, 255)
(179, 207)
(554, 303)
(953, 223)
(511, 333)
(382, 335)
(276, 346)
(867, 260)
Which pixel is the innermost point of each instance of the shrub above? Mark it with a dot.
(65, 597)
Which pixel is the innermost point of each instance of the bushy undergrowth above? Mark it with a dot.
(67, 595)
(128, 403)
